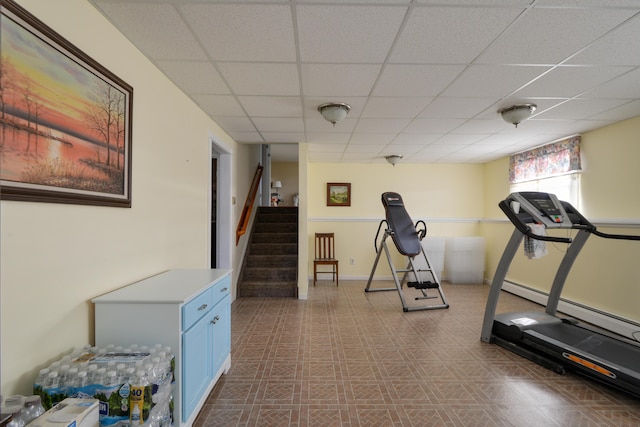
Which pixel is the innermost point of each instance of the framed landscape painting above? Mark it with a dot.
(338, 194)
(65, 120)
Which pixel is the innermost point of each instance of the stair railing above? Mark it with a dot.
(243, 224)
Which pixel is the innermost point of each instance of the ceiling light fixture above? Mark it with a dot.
(334, 111)
(393, 158)
(517, 113)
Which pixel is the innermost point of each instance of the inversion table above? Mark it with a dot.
(407, 238)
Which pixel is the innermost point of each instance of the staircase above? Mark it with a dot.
(270, 267)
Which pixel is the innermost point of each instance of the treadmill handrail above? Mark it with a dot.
(615, 236)
(586, 224)
(525, 229)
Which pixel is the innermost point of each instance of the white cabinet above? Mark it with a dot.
(189, 310)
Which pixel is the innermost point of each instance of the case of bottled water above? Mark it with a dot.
(133, 385)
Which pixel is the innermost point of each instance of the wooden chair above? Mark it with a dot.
(325, 255)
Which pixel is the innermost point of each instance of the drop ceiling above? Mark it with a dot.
(424, 78)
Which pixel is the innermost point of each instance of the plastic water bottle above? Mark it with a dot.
(40, 380)
(111, 379)
(32, 408)
(80, 382)
(91, 373)
(15, 412)
(63, 373)
(100, 376)
(52, 390)
(137, 398)
(121, 369)
(70, 381)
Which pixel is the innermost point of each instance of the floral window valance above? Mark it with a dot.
(552, 159)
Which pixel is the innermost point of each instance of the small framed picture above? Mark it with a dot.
(338, 194)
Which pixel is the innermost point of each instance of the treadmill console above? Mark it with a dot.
(544, 208)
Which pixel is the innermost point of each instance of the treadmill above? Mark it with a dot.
(555, 343)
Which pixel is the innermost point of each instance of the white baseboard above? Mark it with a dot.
(627, 329)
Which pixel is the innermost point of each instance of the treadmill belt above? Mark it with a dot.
(593, 343)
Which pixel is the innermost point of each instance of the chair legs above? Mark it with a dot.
(335, 277)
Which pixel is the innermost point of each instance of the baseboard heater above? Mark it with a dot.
(625, 327)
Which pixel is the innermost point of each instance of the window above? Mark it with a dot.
(553, 168)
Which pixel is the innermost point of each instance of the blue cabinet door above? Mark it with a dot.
(221, 333)
(196, 365)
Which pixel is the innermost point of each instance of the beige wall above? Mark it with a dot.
(448, 197)
(55, 257)
(604, 276)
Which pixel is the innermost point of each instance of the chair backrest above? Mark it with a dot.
(324, 246)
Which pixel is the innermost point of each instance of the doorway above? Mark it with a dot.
(214, 211)
(220, 207)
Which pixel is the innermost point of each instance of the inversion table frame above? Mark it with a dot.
(407, 238)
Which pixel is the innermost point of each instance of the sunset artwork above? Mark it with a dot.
(64, 120)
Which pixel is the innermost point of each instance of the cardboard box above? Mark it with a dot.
(70, 413)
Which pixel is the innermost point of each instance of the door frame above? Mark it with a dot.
(224, 205)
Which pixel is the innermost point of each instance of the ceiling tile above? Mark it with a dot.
(315, 157)
(279, 124)
(347, 34)
(272, 106)
(361, 157)
(415, 80)
(291, 137)
(618, 47)
(194, 77)
(456, 108)
(492, 81)
(460, 139)
(436, 151)
(625, 86)
(317, 124)
(405, 149)
(450, 35)
(219, 105)
(261, 78)
(365, 148)
(569, 81)
(243, 32)
(371, 138)
(416, 138)
(623, 112)
(146, 26)
(381, 125)
(327, 148)
(578, 108)
(479, 126)
(247, 137)
(338, 79)
(433, 125)
(235, 124)
(542, 35)
(394, 107)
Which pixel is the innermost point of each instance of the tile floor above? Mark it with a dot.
(349, 358)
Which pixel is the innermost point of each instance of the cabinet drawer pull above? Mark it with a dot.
(202, 307)
(215, 319)
(224, 289)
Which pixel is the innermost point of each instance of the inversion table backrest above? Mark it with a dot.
(404, 235)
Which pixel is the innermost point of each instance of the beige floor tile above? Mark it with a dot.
(349, 358)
